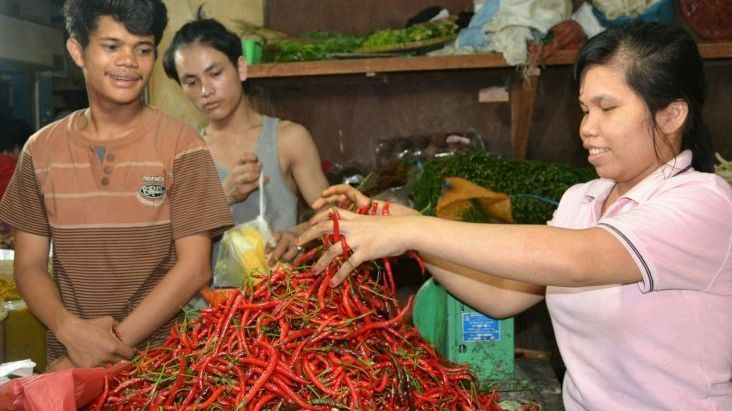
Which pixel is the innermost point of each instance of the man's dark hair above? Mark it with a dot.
(140, 17)
(15, 133)
(205, 31)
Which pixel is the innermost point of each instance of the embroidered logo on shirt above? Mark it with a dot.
(152, 191)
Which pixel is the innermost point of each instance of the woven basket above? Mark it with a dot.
(710, 19)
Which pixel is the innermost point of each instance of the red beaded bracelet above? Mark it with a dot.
(115, 330)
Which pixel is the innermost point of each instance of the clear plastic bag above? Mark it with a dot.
(242, 253)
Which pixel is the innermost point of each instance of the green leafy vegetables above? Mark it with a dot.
(535, 187)
(320, 45)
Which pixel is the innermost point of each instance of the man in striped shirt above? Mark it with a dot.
(128, 196)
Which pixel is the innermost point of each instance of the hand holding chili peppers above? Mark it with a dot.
(367, 237)
(349, 198)
(343, 196)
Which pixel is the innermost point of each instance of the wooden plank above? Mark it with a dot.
(377, 65)
(721, 50)
(523, 93)
(370, 66)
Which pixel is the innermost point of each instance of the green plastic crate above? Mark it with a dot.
(463, 335)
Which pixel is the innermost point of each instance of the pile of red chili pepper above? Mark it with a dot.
(293, 342)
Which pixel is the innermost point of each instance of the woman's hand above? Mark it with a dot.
(368, 237)
(243, 178)
(345, 196)
(286, 250)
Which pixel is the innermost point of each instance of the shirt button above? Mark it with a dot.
(107, 170)
(110, 157)
(105, 180)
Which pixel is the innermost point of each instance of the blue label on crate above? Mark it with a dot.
(478, 327)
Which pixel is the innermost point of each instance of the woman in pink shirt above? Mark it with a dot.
(635, 266)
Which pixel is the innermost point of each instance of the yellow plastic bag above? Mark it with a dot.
(242, 254)
(460, 195)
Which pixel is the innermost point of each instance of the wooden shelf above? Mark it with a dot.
(371, 66)
(522, 92)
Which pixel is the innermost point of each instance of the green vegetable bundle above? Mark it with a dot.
(315, 45)
(415, 33)
(535, 187)
(321, 45)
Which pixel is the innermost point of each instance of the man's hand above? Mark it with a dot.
(286, 250)
(60, 364)
(92, 343)
(243, 178)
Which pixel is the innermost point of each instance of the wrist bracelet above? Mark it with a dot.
(115, 330)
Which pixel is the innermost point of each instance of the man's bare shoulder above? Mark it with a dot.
(294, 140)
(292, 131)
(294, 143)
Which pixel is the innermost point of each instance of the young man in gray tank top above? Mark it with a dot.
(206, 60)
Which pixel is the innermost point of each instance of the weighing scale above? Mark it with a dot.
(463, 335)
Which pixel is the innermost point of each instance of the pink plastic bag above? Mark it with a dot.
(67, 390)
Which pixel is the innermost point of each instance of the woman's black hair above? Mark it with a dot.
(662, 65)
(205, 31)
(140, 17)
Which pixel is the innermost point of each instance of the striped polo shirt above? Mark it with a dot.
(114, 211)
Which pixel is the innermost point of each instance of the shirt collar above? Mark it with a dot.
(600, 188)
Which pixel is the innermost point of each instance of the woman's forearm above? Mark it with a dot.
(541, 255)
(493, 296)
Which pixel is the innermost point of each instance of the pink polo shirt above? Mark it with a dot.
(664, 343)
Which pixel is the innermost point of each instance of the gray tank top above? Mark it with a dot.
(281, 202)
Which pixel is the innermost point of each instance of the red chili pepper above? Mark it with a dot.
(419, 261)
(314, 378)
(213, 397)
(389, 276)
(364, 209)
(273, 360)
(263, 401)
(306, 257)
(345, 248)
(191, 395)
(386, 323)
(280, 368)
(355, 398)
(336, 232)
(323, 287)
(291, 394)
(103, 398)
(178, 380)
(346, 303)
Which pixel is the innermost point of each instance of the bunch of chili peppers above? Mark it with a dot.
(293, 342)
